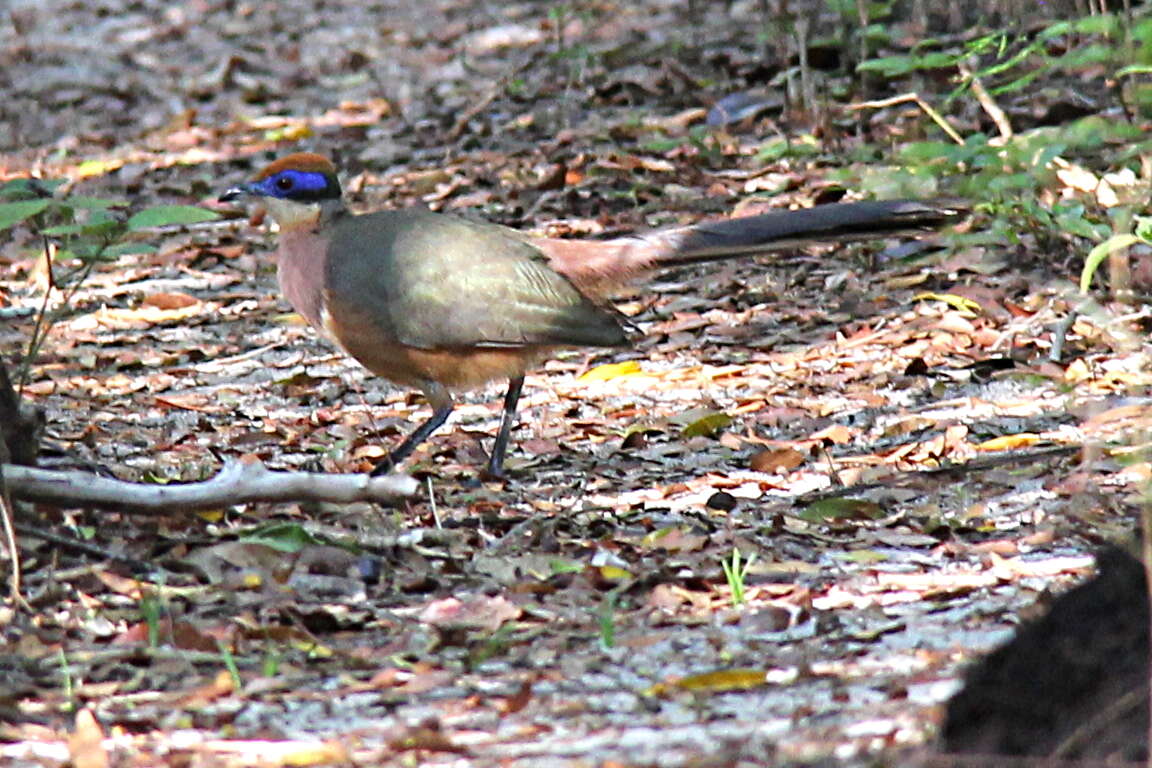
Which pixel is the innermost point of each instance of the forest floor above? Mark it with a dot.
(904, 445)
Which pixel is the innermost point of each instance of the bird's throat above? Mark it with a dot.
(292, 215)
(301, 263)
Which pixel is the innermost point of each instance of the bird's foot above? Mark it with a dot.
(385, 466)
(494, 472)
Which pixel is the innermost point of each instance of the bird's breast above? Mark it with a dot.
(301, 260)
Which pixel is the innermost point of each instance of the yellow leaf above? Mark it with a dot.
(739, 679)
(614, 573)
(292, 132)
(289, 318)
(312, 648)
(97, 167)
(958, 303)
(326, 753)
(611, 371)
(1009, 442)
(211, 515)
(1077, 371)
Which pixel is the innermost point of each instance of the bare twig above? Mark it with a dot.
(968, 467)
(485, 101)
(937, 118)
(989, 105)
(20, 428)
(1060, 333)
(239, 482)
(9, 533)
(83, 547)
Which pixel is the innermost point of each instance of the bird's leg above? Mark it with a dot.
(442, 405)
(500, 447)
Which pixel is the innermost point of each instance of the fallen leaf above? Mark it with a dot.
(86, 742)
(611, 371)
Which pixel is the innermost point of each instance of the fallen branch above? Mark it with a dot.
(82, 547)
(239, 482)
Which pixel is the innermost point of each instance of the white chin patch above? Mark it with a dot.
(289, 213)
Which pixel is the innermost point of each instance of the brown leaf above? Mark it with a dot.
(480, 612)
(220, 687)
(170, 300)
(86, 742)
(776, 460)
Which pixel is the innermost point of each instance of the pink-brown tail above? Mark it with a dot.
(598, 267)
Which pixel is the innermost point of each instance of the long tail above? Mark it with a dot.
(600, 266)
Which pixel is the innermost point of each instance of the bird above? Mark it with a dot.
(441, 303)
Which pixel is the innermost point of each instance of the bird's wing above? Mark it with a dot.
(436, 281)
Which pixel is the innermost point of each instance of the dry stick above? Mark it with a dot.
(1060, 333)
(39, 331)
(987, 760)
(1091, 728)
(239, 482)
(904, 98)
(973, 465)
(862, 54)
(9, 414)
(989, 105)
(6, 517)
(486, 100)
(833, 475)
(44, 324)
(84, 548)
(807, 89)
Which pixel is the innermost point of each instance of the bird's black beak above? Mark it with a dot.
(235, 193)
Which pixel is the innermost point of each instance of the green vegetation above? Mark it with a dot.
(76, 233)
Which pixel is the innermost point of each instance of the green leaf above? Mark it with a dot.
(25, 188)
(841, 509)
(707, 425)
(167, 215)
(902, 65)
(124, 249)
(1101, 252)
(14, 213)
(1144, 228)
(96, 226)
(1077, 224)
(559, 566)
(97, 203)
(285, 537)
(1134, 69)
(63, 229)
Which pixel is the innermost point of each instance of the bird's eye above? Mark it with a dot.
(284, 183)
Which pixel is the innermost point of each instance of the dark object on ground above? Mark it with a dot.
(1073, 684)
(21, 425)
(440, 303)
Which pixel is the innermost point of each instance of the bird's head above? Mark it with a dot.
(295, 188)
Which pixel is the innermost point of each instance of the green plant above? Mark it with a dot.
(230, 664)
(576, 56)
(1013, 59)
(493, 646)
(270, 665)
(606, 617)
(150, 612)
(1141, 233)
(735, 572)
(79, 232)
(68, 683)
